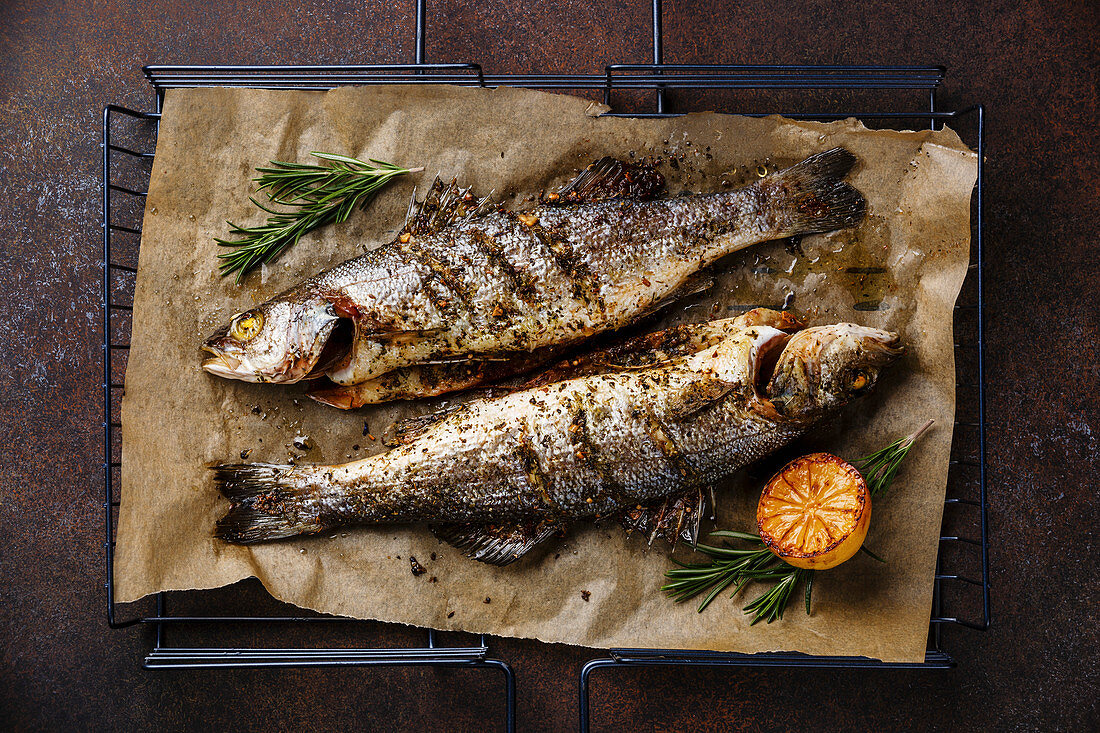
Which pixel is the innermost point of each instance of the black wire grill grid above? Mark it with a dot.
(964, 542)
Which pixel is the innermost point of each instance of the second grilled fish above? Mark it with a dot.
(505, 473)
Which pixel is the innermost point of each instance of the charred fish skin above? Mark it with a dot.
(510, 282)
(581, 448)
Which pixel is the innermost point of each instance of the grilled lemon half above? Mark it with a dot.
(815, 512)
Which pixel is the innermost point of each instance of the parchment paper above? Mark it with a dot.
(177, 420)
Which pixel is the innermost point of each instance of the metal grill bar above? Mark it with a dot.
(417, 75)
(108, 424)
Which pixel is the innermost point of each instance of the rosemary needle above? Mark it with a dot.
(315, 195)
(736, 567)
(880, 467)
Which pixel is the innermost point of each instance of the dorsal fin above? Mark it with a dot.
(408, 429)
(445, 204)
(496, 544)
(648, 349)
(610, 178)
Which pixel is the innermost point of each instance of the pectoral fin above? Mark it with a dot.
(695, 284)
(699, 395)
(495, 544)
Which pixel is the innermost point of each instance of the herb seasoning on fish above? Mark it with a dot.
(501, 475)
(495, 294)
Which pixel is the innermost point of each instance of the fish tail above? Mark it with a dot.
(269, 502)
(815, 196)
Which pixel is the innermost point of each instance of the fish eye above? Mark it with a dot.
(859, 381)
(246, 326)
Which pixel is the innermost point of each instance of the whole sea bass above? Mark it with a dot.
(514, 288)
(500, 475)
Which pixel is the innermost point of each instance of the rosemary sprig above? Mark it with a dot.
(737, 567)
(880, 467)
(733, 566)
(316, 194)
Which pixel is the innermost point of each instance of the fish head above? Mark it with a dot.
(823, 368)
(282, 340)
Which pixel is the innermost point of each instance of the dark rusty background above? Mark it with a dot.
(1035, 66)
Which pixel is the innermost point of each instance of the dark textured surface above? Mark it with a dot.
(1036, 67)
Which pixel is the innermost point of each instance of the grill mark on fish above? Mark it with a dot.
(529, 461)
(520, 282)
(434, 289)
(582, 281)
(451, 284)
(588, 452)
(504, 313)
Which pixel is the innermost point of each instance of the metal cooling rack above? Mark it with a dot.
(962, 576)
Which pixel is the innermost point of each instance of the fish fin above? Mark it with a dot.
(656, 347)
(648, 349)
(408, 429)
(395, 332)
(672, 519)
(819, 200)
(266, 505)
(340, 396)
(699, 395)
(610, 178)
(783, 320)
(695, 283)
(445, 204)
(635, 352)
(495, 544)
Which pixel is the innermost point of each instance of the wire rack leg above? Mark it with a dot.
(585, 701)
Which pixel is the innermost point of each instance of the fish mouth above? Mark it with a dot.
(888, 346)
(224, 365)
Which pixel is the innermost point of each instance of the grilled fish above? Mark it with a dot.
(635, 352)
(506, 286)
(500, 475)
